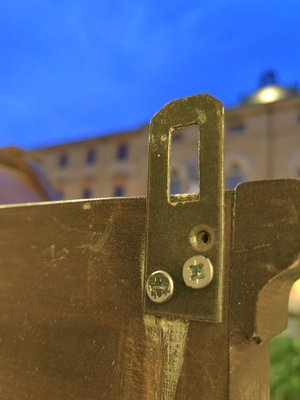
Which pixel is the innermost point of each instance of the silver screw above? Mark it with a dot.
(159, 286)
(197, 272)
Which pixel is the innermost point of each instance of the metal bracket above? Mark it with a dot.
(180, 227)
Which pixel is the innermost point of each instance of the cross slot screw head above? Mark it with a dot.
(197, 272)
(159, 286)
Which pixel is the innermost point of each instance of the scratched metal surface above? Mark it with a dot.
(71, 323)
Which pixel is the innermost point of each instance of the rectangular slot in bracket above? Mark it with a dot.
(184, 174)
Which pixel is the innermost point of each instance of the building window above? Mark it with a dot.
(194, 178)
(175, 187)
(175, 184)
(236, 129)
(194, 170)
(119, 191)
(122, 153)
(177, 136)
(235, 176)
(60, 194)
(91, 156)
(63, 160)
(87, 193)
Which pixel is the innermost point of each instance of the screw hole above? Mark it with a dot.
(257, 340)
(202, 238)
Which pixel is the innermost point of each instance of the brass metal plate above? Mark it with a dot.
(170, 222)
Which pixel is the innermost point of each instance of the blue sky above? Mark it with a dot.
(71, 69)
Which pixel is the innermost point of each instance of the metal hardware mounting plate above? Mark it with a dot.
(171, 219)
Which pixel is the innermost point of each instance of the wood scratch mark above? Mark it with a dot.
(167, 341)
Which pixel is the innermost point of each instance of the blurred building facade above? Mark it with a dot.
(262, 141)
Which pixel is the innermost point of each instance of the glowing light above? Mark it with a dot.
(294, 303)
(269, 94)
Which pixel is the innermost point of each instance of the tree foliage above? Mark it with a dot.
(285, 369)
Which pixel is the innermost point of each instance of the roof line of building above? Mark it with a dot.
(95, 138)
(241, 109)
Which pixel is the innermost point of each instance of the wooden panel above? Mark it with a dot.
(71, 322)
